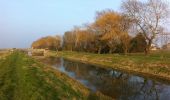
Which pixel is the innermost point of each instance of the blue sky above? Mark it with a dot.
(23, 21)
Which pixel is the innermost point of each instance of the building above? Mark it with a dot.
(154, 47)
(166, 47)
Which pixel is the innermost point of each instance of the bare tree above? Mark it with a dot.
(148, 17)
(69, 40)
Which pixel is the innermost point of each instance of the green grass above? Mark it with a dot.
(154, 64)
(23, 78)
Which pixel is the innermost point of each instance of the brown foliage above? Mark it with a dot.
(69, 41)
(49, 42)
(112, 27)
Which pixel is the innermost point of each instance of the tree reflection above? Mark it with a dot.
(113, 83)
(53, 61)
(116, 84)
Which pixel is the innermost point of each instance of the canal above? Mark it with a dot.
(113, 83)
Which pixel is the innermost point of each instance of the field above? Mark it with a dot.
(23, 78)
(156, 64)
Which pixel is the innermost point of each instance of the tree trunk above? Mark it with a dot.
(99, 51)
(110, 51)
(125, 51)
(148, 46)
(71, 48)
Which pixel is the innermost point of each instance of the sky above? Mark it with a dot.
(24, 21)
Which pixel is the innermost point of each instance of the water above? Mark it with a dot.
(116, 84)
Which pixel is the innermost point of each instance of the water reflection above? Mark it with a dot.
(113, 83)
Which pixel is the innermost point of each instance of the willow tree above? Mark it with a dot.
(111, 26)
(148, 17)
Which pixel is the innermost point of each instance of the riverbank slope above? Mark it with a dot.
(23, 78)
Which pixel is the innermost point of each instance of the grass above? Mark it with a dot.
(157, 64)
(3, 54)
(23, 78)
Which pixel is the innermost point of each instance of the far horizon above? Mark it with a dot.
(22, 22)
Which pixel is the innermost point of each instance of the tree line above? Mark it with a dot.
(131, 30)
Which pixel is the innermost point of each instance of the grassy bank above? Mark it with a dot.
(156, 64)
(23, 78)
